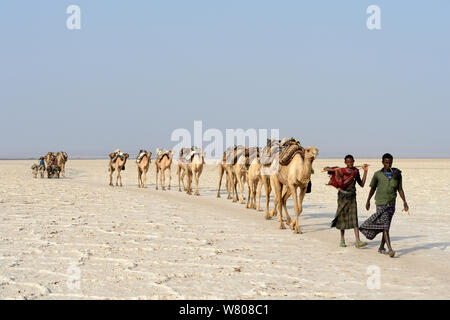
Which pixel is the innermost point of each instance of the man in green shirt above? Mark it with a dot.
(386, 182)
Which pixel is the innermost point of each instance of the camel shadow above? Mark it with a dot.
(320, 216)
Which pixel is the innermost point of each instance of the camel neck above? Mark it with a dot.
(306, 167)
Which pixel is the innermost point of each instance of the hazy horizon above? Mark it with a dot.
(137, 71)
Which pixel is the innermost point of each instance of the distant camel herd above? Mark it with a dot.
(53, 163)
(282, 165)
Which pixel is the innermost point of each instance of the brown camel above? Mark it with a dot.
(143, 161)
(254, 179)
(194, 170)
(222, 170)
(234, 164)
(117, 163)
(163, 162)
(267, 156)
(61, 159)
(35, 170)
(296, 174)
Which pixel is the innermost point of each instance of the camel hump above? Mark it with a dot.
(288, 153)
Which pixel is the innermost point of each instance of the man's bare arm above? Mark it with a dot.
(405, 204)
(371, 193)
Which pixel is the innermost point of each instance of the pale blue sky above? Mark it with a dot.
(137, 70)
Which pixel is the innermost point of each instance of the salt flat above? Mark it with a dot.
(78, 238)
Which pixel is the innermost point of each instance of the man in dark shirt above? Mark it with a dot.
(386, 182)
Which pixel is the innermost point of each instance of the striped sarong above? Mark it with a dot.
(379, 221)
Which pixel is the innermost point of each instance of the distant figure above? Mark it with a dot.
(386, 182)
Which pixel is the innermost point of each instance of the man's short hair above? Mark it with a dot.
(349, 156)
(387, 156)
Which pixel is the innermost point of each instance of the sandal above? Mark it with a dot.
(343, 245)
(382, 250)
(391, 253)
(360, 244)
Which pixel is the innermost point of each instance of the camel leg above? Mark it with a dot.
(220, 179)
(182, 179)
(139, 176)
(162, 177)
(110, 176)
(143, 177)
(156, 173)
(196, 177)
(258, 195)
(266, 182)
(255, 188)
(233, 186)
(170, 176)
(295, 225)
(278, 188)
(251, 196)
(179, 177)
(249, 192)
(119, 176)
(228, 183)
(285, 197)
(241, 181)
(189, 182)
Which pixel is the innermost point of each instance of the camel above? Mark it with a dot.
(267, 156)
(61, 159)
(223, 170)
(41, 169)
(163, 162)
(35, 170)
(143, 161)
(194, 170)
(234, 164)
(49, 157)
(181, 167)
(117, 163)
(296, 174)
(254, 179)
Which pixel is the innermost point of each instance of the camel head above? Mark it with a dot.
(311, 153)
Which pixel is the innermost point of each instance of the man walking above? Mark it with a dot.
(386, 182)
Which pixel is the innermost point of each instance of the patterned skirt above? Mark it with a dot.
(347, 213)
(379, 221)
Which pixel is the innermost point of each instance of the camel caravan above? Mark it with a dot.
(53, 163)
(283, 166)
